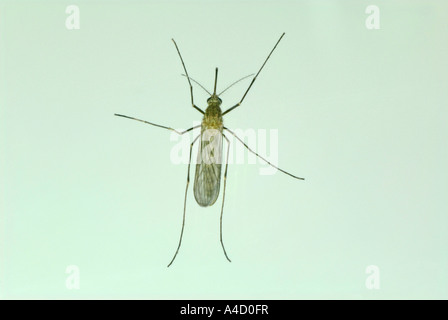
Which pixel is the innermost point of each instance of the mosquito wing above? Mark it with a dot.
(208, 168)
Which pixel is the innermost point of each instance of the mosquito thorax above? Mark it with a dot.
(213, 113)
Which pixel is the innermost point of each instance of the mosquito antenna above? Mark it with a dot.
(198, 84)
(235, 83)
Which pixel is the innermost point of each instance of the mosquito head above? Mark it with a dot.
(214, 100)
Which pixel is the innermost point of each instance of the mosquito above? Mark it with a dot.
(207, 178)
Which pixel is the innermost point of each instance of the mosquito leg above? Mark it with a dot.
(185, 203)
(289, 174)
(158, 125)
(223, 197)
(253, 80)
(188, 78)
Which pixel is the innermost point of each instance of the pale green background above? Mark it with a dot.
(361, 114)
